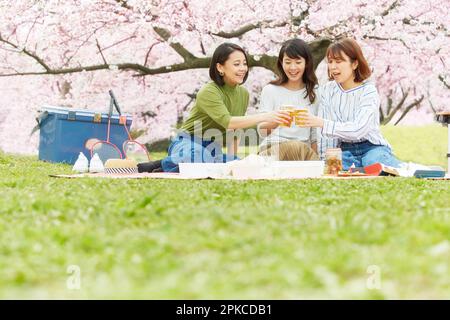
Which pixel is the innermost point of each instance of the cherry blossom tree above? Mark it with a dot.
(155, 54)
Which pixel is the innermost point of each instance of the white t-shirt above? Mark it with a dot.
(272, 98)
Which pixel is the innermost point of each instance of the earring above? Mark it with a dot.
(221, 73)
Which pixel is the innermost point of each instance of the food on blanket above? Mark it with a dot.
(121, 166)
(333, 161)
(351, 174)
(333, 166)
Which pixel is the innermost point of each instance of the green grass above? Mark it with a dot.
(225, 239)
(427, 144)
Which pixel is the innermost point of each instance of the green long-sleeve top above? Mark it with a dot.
(214, 107)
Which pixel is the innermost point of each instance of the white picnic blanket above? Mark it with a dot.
(407, 169)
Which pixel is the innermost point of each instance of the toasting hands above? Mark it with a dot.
(308, 120)
(278, 117)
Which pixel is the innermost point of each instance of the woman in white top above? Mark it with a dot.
(296, 86)
(349, 110)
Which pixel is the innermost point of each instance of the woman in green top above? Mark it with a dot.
(220, 106)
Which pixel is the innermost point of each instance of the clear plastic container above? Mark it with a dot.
(333, 161)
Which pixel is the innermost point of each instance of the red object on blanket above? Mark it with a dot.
(374, 169)
(377, 169)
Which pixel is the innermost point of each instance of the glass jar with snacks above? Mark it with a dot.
(333, 161)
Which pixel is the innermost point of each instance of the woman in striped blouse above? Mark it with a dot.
(348, 114)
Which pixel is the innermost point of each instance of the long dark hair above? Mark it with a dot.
(220, 55)
(294, 49)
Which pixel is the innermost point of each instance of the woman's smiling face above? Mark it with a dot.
(341, 68)
(294, 68)
(234, 69)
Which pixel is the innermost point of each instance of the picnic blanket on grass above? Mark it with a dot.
(170, 175)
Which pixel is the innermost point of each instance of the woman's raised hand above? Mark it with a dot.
(278, 117)
(308, 120)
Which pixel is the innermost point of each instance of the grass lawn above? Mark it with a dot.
(208, 239)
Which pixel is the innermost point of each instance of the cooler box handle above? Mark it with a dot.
(39, 119)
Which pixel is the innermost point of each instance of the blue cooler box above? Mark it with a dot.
(65, 131)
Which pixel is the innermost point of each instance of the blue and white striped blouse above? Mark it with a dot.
(349, 115)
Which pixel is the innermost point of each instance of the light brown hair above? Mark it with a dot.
(352, 49)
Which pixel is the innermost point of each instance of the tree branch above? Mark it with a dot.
(389, 102)
(390, 8)
(408, 108)
(83, 43)
(197, 63)
(124, 4)
(380, 110)
(121, 66)
(442, 79)
(149, 51)
(100, 50)
(318, 47)
(387, 39)
(182, 51)
(119, 42)
(431, 105)
(249, 27)
(28, 53)
(191, 96)
(388, 108)
(389, 116)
